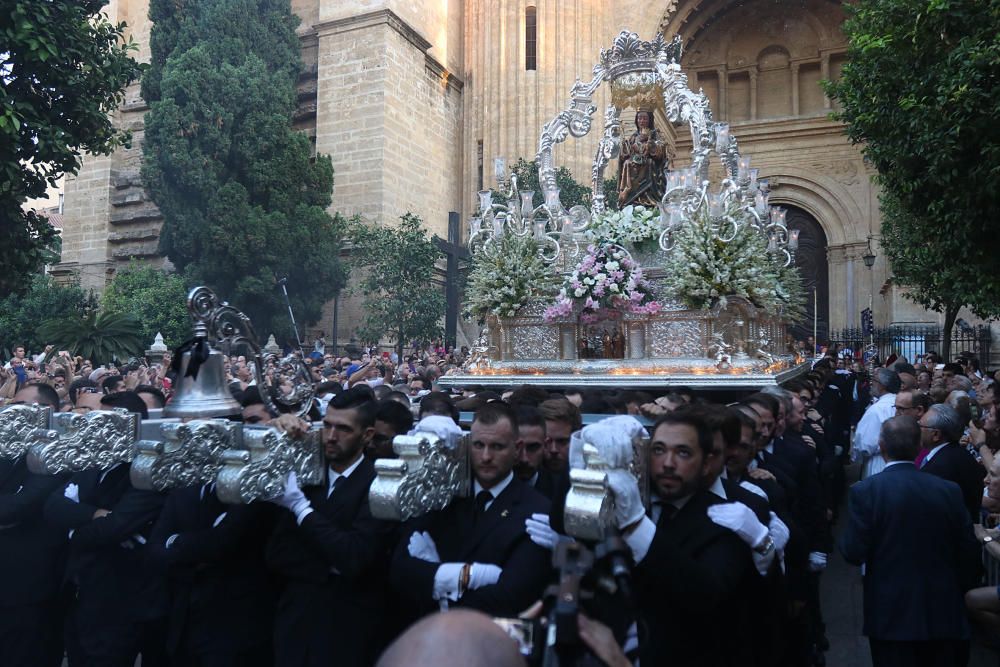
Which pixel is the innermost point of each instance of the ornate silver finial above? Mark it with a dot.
(19, 425)
(425, 477)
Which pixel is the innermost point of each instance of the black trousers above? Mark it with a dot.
(936, 653)
(31, 635)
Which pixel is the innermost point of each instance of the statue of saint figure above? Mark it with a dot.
(640, 166)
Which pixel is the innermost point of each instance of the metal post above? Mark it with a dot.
(336, 314)
(451, 279)
(284, 289)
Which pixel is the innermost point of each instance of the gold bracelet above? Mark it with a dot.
(463, 578)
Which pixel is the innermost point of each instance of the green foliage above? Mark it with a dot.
(63, 70)
(244, 203)
(571, 192)
(505, 275)
(157, 299)
(101, 337)
(919, 94)
(702, 271)
(401, 301)
(20, 314)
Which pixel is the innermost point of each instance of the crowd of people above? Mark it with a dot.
(727, 532)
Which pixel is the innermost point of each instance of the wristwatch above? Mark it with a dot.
(766, 547)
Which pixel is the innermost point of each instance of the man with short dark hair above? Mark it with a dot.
(913, 536)
(476, 552)
(681, 555)
(330, 550)
(530, 463)
(392, 419)
(113, 384)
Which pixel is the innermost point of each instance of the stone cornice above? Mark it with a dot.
(370, 20)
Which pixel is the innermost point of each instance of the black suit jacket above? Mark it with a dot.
(32, 553)
(498, 537)
(222, 598)
(914, 536)
(694, 576)
(334, 568)
(954, 463)
(118, 586)
(807, 506)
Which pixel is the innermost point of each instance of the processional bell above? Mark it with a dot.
(201, 391)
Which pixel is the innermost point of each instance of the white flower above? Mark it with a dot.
(578, 292)
(613, 287)
(601, 277)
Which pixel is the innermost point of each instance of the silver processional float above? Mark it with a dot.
(193, 442)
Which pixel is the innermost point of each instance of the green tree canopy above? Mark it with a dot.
(401, 303)
(571, 192)
(21, 314)
(63, 70)
(244, 202)
(919, 93)
(157, 299)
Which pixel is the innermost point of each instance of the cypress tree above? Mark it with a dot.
(243, 201)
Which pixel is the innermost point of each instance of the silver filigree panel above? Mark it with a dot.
(425, 477)
(682, 338)
(96, 440)
(258, 470)
(18, 424)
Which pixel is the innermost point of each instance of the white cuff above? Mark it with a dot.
(219, 519)
(763, 561)
(302, 512)
(171, 540)
(640, 538)
(446, 581)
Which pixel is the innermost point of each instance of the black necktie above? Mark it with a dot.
(482, 498)
(333, 487)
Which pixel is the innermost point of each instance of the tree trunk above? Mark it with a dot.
(399, 345)
(950, 315)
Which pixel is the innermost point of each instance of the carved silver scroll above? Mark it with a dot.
(96, 440)
(183, 454)
(258, 470)
(425, 477)
(18, 427)
(589, 510)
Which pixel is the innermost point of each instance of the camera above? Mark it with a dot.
(594, 580)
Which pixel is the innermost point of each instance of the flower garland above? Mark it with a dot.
(632, 224)
(506, 274)
(606, 283)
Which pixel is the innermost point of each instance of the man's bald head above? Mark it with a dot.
(457, 638)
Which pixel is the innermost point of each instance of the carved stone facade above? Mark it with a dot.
(414, 99)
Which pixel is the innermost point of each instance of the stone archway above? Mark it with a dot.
(811, 260)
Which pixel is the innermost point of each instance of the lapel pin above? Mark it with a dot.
(503, 515)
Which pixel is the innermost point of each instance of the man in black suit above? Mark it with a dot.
(120, 596)
(221, 608)
(915, 539)
(476, 553)
(690, 572)
(940, 430)
(530, 466)
(331, 552)
(32, 558)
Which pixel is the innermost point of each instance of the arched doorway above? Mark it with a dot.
(812, 264)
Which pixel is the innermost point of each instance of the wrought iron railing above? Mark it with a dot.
(912, 339)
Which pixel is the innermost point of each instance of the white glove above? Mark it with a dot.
(628, 501)
(422, 546)
(443, 427)
(817, 561)
(293, 499)
(541, 532)
(779, 532)
(72, 491)
(483, 574)
(612, 437)
(740, 519)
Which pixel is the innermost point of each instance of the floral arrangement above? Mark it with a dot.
(505, 275)
(703, 271)
(632, 224)
(606, 283)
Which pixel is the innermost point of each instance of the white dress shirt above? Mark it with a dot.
(866, 436)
